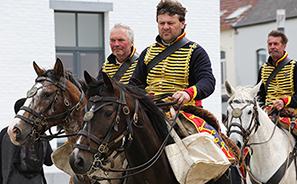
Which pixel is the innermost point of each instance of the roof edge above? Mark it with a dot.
(262, 22)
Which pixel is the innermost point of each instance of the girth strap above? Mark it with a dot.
(279, 174)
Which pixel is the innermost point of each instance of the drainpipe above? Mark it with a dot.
(280, 19)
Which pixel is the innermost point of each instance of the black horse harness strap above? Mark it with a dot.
(104, 145)
(169, 50)
(124, 67)
(143, 166)
(279, 174)
(41, 118)
(236, 113)
(276, 70)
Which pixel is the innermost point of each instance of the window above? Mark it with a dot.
(261, 58)
(223, 67)
(223, 79)
(79, 41)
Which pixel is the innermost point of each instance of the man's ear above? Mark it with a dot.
(183, 24)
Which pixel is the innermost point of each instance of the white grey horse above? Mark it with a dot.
(269, 146)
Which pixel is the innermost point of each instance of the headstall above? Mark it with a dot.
(237, 113)
(41, 118)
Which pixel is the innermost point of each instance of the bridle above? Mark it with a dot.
(103, 149)
(106, 143)
(41, 118)
(237, 113)
(277, 177)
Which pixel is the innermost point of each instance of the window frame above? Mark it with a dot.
(77, 50)
(258, 57)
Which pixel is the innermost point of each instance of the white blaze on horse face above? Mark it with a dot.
(85, 125)
(32, 103)
(245, 120)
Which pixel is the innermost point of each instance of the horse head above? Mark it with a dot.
(53, 100)
(241, 113)
(106, 124)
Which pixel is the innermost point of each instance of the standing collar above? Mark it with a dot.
(279, 60)
(112, 58)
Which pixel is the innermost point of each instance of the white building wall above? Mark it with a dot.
(249, 40)
(27, 34)
(227, 45)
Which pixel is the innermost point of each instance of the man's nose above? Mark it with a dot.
(116, 43)
(166, 27)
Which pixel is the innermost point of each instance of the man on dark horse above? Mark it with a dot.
(177, 65)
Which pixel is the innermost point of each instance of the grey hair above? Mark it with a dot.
(130, 33)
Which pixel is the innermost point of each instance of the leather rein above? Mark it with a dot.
(103, 149)
(236, 113)
(41, 118)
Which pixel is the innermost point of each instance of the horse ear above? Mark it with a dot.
(37, 69)
(229, 89)
(256, 89)
(59, 69)
(88, 77)
(107, 81)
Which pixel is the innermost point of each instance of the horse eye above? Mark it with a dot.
(250, 112)
(47, 94)
(108, 114)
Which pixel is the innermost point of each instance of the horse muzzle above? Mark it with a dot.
(19, 135)
(78, 162)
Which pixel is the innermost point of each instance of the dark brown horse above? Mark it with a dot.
(56, 99)
(122, 118)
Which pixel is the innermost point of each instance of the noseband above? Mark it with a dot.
(104, 145)
(42, 118)
(237, 113)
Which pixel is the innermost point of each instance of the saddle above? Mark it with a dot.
(287, 119)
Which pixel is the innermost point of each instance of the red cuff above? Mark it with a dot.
(286, 100)
(192, 91)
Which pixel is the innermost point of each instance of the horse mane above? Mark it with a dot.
(156, 116)
(79, 83)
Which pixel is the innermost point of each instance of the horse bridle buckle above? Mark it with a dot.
(32, 92)
(103, 148)
(236, 113)
(88, 116)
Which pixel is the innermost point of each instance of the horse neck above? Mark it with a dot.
(145, 142)
(76, 119)
(276, 147)
(144, 147)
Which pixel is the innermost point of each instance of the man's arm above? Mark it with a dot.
(201, 79)
(292, 100)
